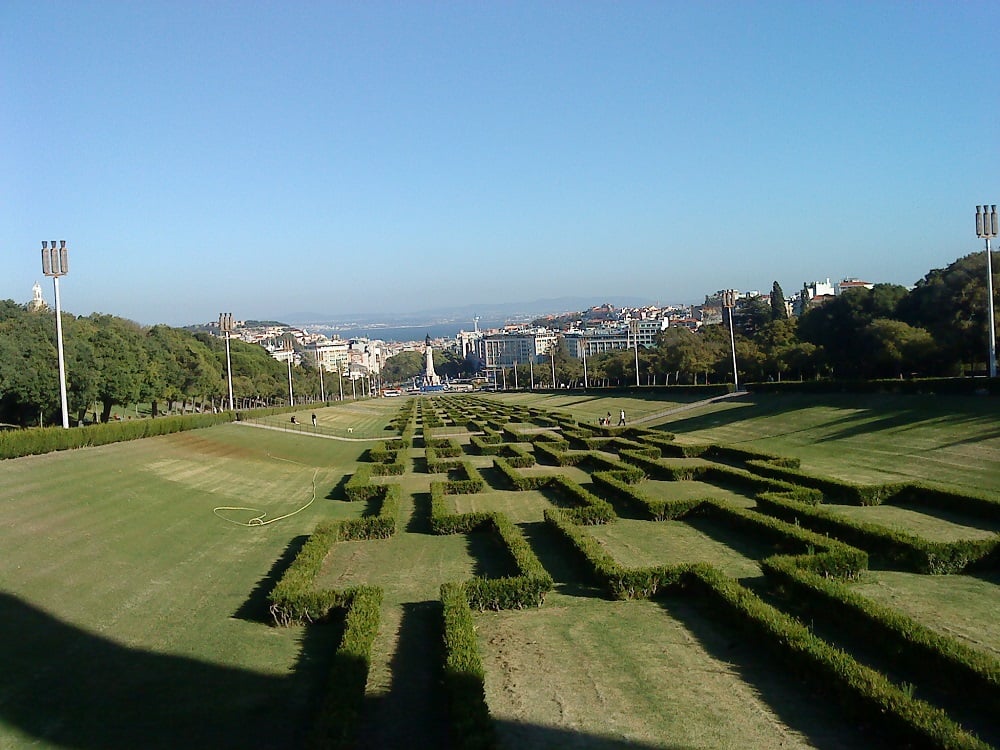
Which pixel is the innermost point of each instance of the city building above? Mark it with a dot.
(517, 347)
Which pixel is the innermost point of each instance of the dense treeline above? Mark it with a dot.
(112, 362)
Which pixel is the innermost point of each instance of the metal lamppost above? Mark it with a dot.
(986, 228)
(531, 373)
(55, 263)
(584, 340)
(553, 353)
(515, 374)
(226, 326)
(636, 334)
(291, 397)
(322, 387)
(729, 302)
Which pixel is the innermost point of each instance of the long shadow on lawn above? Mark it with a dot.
(412, 712)
(256, 607)
(73, 689)
(819, 720)
(553, 553)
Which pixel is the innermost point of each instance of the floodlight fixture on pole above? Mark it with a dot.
(55, 263)
(729, 302)
(226, 327)
(986, 228)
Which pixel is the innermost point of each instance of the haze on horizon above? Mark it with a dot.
(338, 157)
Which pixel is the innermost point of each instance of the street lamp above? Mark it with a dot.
(291, 396)
(322, 387)
(636, 334)
(583, 338)
(986, 228)
(55, 263)
(729, 301)
(226, 326)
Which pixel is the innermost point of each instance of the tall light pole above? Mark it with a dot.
(729, 302)
(55, 263)
(583, 338)
(552, 351)
(986, 228)
(322, 387)
(636, 334)
(226, 326)
(291, 397)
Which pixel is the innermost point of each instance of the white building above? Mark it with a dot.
(520, 347)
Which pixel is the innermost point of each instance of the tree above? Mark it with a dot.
(403, 367)
(837, 325)
(892, 347)
(951, 303)
(750, 315)
(121, 360)
(779, 311)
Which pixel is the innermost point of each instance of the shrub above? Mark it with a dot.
(885, 544)
(468, 715)
(340, 712)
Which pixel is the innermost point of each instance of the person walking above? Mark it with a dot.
(621, 419)
(314, 420)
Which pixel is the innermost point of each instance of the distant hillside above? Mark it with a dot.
(486, 310)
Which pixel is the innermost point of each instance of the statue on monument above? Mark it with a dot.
(430, 377)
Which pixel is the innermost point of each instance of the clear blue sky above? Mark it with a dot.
(265, 158)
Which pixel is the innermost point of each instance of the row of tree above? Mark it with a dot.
(112, 362)
(938, 328)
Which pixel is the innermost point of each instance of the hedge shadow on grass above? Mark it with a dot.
(822, 722)
(257, 606)
(566, 574)
(67, 687)
(412, 712)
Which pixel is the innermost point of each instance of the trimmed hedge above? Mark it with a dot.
(588, 508)
(295, 599)
(658, 509)
(380, 525)
(468, 715)
(340, 713)
(520, 481)
(34, 441)
(620, 582)
(888, 545)
(910, 721)
(934, 657)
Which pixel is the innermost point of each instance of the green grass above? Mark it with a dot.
(637, 544)
(133, 609)
(693, 490)
(594, 674)
(869, 438)
(915, 521)
(962, 606)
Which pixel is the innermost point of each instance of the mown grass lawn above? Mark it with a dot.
(133, 612)
(867, 438)
(133, 594)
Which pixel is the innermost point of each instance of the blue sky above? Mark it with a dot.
(268, 158)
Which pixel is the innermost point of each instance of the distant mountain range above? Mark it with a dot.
(487, 312)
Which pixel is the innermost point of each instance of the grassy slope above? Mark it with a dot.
(122, 588)
(949, 440)
(121, 584)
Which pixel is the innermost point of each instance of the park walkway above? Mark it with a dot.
(687, 407)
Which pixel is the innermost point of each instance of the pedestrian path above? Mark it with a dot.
(687, 407)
